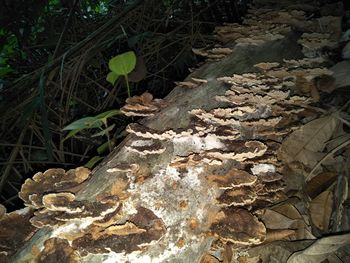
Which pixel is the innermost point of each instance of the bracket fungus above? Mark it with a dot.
(239, 227)
(141, 229)
(57, 250)
(148, 133)
(212, 53)
(233, 178)
(145, 147)
(143, 105)
(15, 230)
(52, 180)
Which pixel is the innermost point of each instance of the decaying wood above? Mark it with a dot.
(192, 181)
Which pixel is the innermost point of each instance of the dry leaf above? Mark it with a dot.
(139, 72)
(275, 220)
(307, 143)
(320, 210)
(320, 250)
(320, 183)
(278, 234)
(302, 228)
(340, 220)
(245, 259)
(206, 258)
(341, 74)
(288, 210)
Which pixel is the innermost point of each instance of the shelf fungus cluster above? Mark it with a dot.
(180, 189)
(80, 227)
(143, 105)
(263, 25)
(15, 230)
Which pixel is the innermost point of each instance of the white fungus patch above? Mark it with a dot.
(191, 178)
(140, 143)
(71, 228)
(78, 224)
(196, 144)
(129, 207)
(263, 168)
(212, 142)
(122, 257)
(22, 211)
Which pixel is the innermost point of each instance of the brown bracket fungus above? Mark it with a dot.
(239, 227)
(57, 250)
(15, 230)
(213, 53)
(145, 147)
(140, 230)
(148, 133)
(233, 178)
(143, 105)
(52, 180)
(239, 196)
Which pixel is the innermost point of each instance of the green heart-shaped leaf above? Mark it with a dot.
(123, 64)
(112, 77)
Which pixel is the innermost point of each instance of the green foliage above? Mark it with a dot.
(90, 122)
(7, 51)
(121, 65)
(112, 77)
(84, 123)
(92, 162)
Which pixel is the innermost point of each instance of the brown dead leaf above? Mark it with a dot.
(320, 210)
(321, 249)
(302, 228)
(206, 258)
(245, 259)
(279, 234)
(306, 144)
(341, 74)
(275, 220)
(320, 183)
(140, 71)
(288, 210)
(339, 217)
(286, 218)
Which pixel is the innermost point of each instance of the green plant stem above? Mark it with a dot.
(127, 85)
(108, 138)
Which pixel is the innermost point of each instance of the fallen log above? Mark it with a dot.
(189, 181)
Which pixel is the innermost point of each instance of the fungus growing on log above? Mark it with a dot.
(141, 229)
(143, 105)
(60, 208)
(148, 133)
(57, 250)
(239, 227)
(238, 196)
(145, 147)
(123, 167)
(52, 180)
(193, 160)
(15, 230)
(233, 178)
(213, 53)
